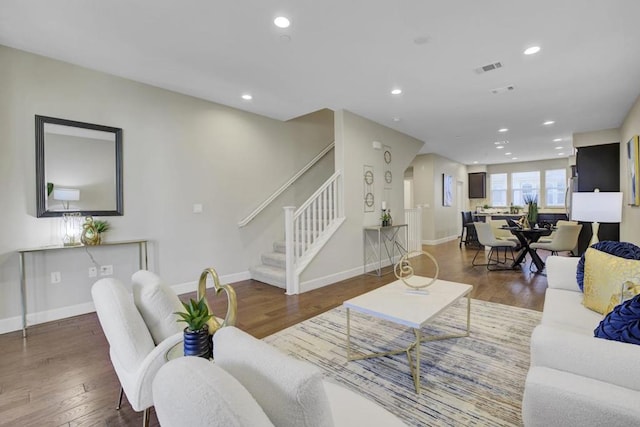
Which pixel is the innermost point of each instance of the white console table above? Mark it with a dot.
(142, 262)
(375, 238)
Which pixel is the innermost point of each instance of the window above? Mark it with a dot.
(498, 188)
(525, 184)
(555, 186)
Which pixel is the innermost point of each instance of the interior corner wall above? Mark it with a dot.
(439, 223)
(342, 257)
(629, 230)
(177, 151)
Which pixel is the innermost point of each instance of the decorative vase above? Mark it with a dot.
(532, 215)
(197, 343)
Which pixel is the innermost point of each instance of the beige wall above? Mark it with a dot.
(629, 230)
(178, 151)
(599, 137)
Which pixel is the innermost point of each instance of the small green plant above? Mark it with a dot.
(385, 217)
(196, 314)
(101, 225)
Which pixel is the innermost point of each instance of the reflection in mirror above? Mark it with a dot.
(78, 168)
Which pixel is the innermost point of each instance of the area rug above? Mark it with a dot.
(476, 380)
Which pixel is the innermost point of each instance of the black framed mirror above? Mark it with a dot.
(78, 168)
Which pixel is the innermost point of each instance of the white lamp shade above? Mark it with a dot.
(66, 194)
(596, 207)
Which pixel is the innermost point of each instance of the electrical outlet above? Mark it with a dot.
(56, 277)
(93, 272)
(106, 270)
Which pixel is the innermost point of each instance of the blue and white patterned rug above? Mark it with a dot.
(476, 380)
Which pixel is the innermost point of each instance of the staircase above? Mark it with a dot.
(307, 230)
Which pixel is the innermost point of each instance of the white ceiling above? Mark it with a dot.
(349, 54)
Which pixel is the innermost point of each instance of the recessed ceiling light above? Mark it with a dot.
(503, 130)
(558, 148)
(548, 122)
(396, 119)
(514, 158)
(396, 91)
(557, 140)
(508, 154)
(500, 147)
(247, 97)
(282, 22)
(475, 162)
(501, 142)
(531, 50)
(560, 154)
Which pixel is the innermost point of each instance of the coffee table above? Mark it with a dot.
(400, 304)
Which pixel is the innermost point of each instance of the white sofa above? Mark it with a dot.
(253, 384)
(576, 379)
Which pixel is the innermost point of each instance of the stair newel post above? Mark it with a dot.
(291, 288)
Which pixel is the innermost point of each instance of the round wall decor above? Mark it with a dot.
(368, 177)
(388, 177)
(368, 200)
(387, 156)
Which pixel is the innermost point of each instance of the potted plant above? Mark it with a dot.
(386, 218)
(197, 341)
(102, 226)
(531, 200)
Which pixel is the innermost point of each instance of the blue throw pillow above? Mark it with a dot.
(624, 250)
(622, 324)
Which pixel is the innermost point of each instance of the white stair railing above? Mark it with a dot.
(309, 227)
(286, 185)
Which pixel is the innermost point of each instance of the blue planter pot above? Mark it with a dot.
(197, 343)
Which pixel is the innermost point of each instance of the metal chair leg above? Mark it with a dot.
(120, 399)
(145, 417)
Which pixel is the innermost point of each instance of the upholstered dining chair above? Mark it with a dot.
(565, 239)
(488, 239)
(140, 330)
(549, 238)
(468, 233)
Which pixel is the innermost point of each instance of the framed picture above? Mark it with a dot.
(633, 165)
(447, 190)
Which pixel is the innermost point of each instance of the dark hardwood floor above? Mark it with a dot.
(62, 376)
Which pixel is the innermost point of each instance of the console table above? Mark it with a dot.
(386, 237)
(142, 262)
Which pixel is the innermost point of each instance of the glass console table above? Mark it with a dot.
(376, 238)
(142, 262)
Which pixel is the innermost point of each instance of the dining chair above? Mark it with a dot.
(499, 231)
(565, 239)
(549, 238)
(487, 238)
(468, 233)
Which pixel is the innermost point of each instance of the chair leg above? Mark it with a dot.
(145, 417)
(119, 405)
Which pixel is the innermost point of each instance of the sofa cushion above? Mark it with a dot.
(623, 323)
(628, 290)
(157, 305)
(621, 249)
(290, 391)
(604, 276)
(564, 309)
(191, 391)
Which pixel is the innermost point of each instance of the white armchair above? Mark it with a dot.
(136, 350)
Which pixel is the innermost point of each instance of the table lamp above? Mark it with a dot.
(596, 207)
(66, 195)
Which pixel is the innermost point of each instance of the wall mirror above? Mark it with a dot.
(78, 168)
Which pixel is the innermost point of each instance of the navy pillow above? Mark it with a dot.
(624, 250)
(623, 323)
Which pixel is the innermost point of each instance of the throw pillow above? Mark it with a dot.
(622, 324)
(603, 276)
(621, 249)
(157, 304)
(628, 290)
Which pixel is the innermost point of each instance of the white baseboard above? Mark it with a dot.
(186, 287)
(12, 324)
(442, 240)
(15, 323)
(319, 282)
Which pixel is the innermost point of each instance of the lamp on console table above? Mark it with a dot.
(596, 207)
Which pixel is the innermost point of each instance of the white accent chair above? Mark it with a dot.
(564, 240)
(488, 239)
(253, 384)
(549, 238)
(139, 332)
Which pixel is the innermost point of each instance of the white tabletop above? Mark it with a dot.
(400, 304)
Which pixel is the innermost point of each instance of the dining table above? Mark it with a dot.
(526, 236)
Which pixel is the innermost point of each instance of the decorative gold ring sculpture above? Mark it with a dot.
(403, 269)
(232, 304)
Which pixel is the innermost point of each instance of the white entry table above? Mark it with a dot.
(391, 238)
(400, 304)
(142, 262)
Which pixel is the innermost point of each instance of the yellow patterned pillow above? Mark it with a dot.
(603, 276)
(627, 291)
